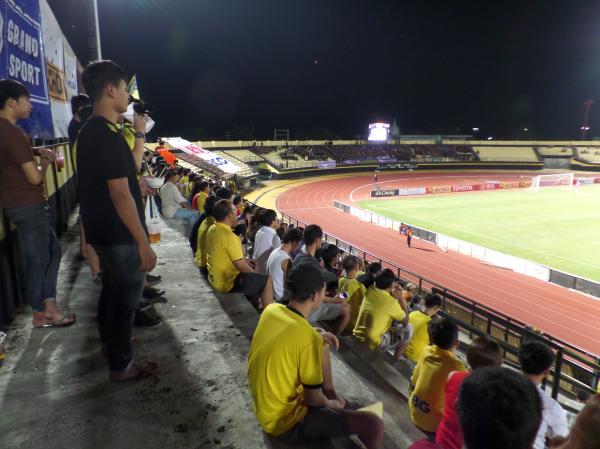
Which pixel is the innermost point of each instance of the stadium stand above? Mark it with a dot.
(556, 151)
(505, 154)
(244, 155)
(575, 371)
(286, 158)
(589, 154)
(245, 170)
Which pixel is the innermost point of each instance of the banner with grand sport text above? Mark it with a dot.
(55, 71)
(22, 59)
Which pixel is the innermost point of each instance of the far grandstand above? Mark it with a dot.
(288, 159)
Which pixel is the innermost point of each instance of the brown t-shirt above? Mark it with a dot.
(15, 150)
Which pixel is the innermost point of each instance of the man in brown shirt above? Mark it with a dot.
(23, 201)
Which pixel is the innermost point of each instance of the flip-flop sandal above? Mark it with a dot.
(44, 324)
(145, 370)
(64, 321)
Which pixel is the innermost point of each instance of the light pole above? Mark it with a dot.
(94, 30)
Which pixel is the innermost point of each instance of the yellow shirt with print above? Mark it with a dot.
(356, 292)
(420, 324)
(201, 201)
(377, 312)
(222, 248)
(426, 402)
(201, 258)
(285, 358)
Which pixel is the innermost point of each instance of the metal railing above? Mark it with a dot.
(574, 368)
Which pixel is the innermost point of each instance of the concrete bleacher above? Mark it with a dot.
(245, 169)
(244, 155)
(505, 154)
(200, 398)
(556, 151)
(274, 157)
(589, 154)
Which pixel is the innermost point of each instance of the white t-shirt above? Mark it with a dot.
(265, 240)
(554, 421)
(171, 199)
(274, 270)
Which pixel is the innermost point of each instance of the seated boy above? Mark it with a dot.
(426, 402)
(483, 351)
(419, 320)
(382, 320)
(499, 409)
(289, 370)
(351, 289)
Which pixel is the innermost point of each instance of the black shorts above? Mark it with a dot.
(319, 423)
(250, 284)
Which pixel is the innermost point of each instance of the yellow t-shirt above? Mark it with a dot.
(201, 246)
(201, 201)
(285, 357)
(183, 183)
(188, 188)
(356, 292)
(420, 323)
(426, 402)
(377, 312)
(222, 248)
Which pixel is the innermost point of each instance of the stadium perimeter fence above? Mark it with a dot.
(575, 369)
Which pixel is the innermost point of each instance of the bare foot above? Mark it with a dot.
(40, 320)
(135, 371)
(55, 317)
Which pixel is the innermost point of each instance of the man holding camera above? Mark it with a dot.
(23, 200)
(112, 213)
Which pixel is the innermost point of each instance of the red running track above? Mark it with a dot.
(567, 315)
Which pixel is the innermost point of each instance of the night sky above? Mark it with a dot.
(333, 66)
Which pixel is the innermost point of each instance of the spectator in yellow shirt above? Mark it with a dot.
(200, 198)
(228, 271)
(382, 320)
(426, 402)
(289, 370)
(184, 180)
(351, 289)
(201, 256)
(419, 320)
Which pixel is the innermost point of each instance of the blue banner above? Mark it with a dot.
(22, 59)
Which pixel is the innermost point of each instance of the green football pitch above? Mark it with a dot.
(557, 228)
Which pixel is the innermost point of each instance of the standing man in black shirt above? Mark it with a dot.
(77, 103)
(112, 214)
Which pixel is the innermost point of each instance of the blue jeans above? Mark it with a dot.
(122, 285)
(40, 251)
(187, 214)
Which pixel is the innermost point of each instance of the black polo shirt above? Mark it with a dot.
(103, 154)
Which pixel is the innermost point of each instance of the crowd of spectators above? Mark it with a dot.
(311, 284)
(295, 280)
(382, 153)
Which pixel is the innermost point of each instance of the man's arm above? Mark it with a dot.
(314, 397)
(242, 266)
(139, 123)
(34, 173)
(120, 195)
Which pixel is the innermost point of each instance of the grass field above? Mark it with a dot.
(557, 228)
